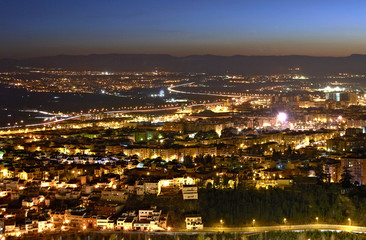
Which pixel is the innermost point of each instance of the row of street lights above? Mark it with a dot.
(285, 221)
(316, 218)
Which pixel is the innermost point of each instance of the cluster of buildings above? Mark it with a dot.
(85, 81)
(83, 179)
(83, 201)
(91, 173)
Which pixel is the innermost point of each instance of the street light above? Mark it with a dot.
(284, 221)
(317, 220)
(349, 221)
(253, 222)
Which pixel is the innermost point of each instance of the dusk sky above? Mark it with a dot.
(247, 27)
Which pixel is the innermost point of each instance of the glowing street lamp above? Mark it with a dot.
(284, 221)
(253, 222)
(317, 220)
(349, 221)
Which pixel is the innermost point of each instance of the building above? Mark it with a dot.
(128, 223)
(194, 223)
(44, 224)
(333, 170)
(151, 187)
(105, 222)
(190, 192)
(107, 209)
(111, 195)
(149, 215)
(357, 167)
(89, 221)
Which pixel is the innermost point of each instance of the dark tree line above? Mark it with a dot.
(239, 206)
(299, 205)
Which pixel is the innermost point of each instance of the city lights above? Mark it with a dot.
(282, 117)
(199, 120)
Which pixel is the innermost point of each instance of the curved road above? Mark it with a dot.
(113, 112)
(171, 89)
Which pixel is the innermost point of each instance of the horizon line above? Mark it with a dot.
(183, 56)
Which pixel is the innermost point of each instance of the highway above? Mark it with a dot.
(107, 112)
(172, 89)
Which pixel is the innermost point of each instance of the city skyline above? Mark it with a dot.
(44, 28)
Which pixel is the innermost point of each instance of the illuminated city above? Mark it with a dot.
(139, 144)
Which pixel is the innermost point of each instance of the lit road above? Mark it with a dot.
(172, 89)
(47, 123)
(43, 112)
(108, 112)
(240, 230)
(255, 229)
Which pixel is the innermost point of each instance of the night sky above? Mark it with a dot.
(250, 27)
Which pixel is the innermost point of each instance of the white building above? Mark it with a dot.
(177, 183)
(149, 215)
(105, 223)
(194, 223)
(126, 223)
(45, 225)
(190, 192)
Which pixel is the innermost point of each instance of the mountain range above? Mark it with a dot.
(237, 64)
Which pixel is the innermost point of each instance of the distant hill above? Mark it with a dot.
(237, 64)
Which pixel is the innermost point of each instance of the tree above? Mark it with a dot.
(188, 161)
(346, 178)
(319, 171)
(288, 152)
(208, 160)
(206, 135)
(229, 132)
(199, 159)
(276, 155)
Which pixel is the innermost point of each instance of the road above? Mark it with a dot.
(172, 89)
(252, 230)
(325, 227)
(107, 112)
(213, 230)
